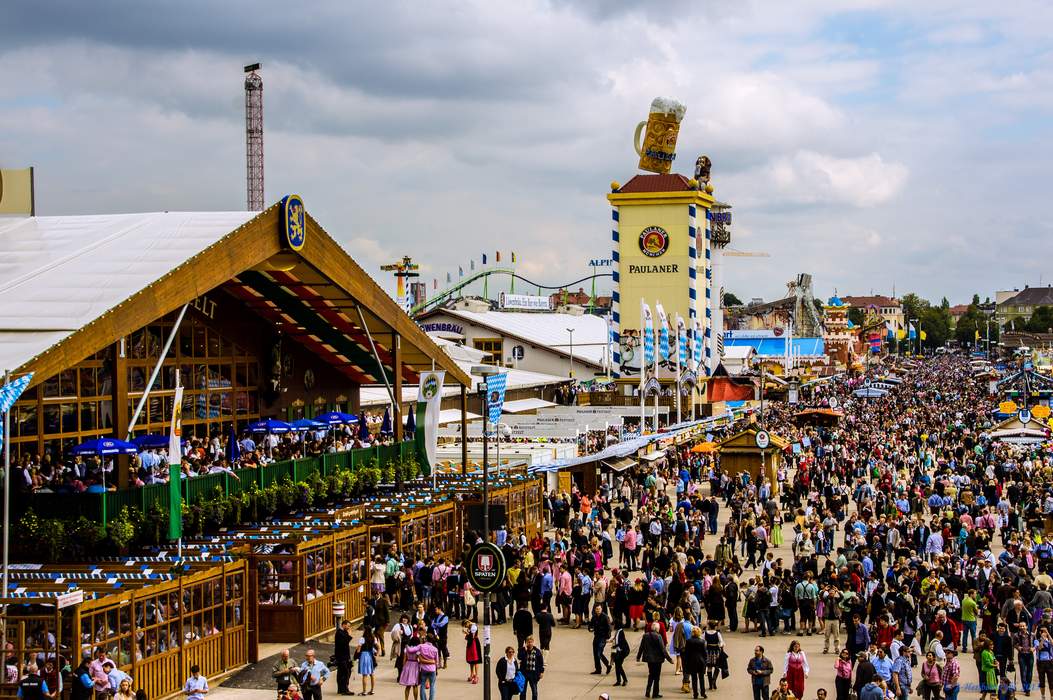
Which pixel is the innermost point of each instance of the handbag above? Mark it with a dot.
(520, 681)
(469, 599)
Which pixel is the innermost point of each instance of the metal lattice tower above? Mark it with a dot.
(254, 138)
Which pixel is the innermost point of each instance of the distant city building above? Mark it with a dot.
(957, 311)
(1020, 304)
(418, 293)
(580, 298)
(886, 308)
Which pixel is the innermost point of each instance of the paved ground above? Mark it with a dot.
(570, 662)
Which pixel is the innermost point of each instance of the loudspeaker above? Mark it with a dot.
(498, 517)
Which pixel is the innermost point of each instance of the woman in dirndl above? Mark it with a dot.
(367, 645)
(795, 668)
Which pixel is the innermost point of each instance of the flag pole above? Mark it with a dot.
(643, 370)
(676, 389)
(7, 501)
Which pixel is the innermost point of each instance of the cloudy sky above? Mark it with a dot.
(871, 143)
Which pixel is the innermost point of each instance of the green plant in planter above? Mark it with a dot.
(306, 494)
(410, 468)
(387, 474)
(369, 477)
(288, 494)
(29, 525)
(121, 529)
(51, 539)
(153, 526)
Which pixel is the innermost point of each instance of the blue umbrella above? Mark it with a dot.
(105, 446)
(270, 425)
(151, 442)
(363, 428)
(411, 422)
(305, 424)
(385, 426)
(335, 418)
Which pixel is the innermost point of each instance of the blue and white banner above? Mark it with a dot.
(495, 396)
(648, 337)
(696, 345)
(681, 340)
(9, 393)
(663, 331)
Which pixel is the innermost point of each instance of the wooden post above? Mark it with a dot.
(122, 478)
(464, 430)
(396, 341)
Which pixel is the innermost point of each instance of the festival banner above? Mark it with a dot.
(429, 404)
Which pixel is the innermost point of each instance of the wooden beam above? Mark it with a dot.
(464, 429)
(396, 342)
(333, 261)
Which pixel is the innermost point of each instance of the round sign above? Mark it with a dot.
(833, 402)
(486, 566)
(654, 241)
(762, 439)
(777, 331)
(429, 386)
(294, 221)
(1024, 416)
(866, 382)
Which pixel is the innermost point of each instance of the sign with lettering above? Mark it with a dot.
(454, 328)
(525, 302)
(486, 566)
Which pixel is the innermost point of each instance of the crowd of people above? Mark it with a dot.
(200, 456)
(914, 539)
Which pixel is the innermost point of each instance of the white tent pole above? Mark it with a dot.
(153, 375)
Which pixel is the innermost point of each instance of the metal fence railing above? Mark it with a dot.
(94, 506)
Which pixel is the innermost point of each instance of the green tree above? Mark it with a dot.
(856, 316)
(730, 299)
(1041, 320)
(971, 321)
(936, 322)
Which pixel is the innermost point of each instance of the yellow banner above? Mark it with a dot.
(1007, 407)
(16, 191)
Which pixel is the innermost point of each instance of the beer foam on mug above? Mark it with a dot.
(667, 105)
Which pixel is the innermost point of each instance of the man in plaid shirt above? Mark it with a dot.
(951, 672)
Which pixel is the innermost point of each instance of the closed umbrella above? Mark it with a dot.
(363, 428)
(233, 447)
(270, 425)
(411, 422)
(385, 425)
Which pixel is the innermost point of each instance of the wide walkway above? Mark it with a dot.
(570, 662)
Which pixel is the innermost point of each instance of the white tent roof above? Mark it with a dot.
(453, 415)
(60, 273)
(525, 405)
(546, 329)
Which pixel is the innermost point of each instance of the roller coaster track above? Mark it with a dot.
(453, 291)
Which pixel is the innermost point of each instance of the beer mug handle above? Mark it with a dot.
(636, 138)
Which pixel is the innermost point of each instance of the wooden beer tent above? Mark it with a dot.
(153, 617)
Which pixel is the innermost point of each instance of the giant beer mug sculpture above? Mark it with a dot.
(658, 148)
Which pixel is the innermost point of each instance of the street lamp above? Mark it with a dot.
(485, 371)
(571, 331)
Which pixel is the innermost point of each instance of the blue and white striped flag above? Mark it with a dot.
(648, 335)
(681, 341)
(663, 331)
(696, 345)
(495, 396)
(9, 393)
